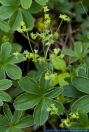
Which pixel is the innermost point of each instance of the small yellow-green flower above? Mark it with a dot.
(33, 36)
(65, 123)
(56, 51)
(16, 54)
(26, 53)
(22, 28)
(64, 17)
(52, 109)
(74, 115)
(46, 9)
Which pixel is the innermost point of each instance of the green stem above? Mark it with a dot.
(29, 41)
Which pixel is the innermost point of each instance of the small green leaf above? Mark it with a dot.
(41, 114)
(5, 84)
(81, 103)
(13, 71)
(35, 7)
(59, 106)
(5, 96)
(41, 2)
(70, 91)
(58, 63)
(78, 48)
(29, 85)
(26, 121)
(28, 19)
(9, 2)
(4, 26)
(3, 121)
(16, 59)
(54, 92)
(26, 101)
(6, 12)
(82, 84)
(7, 112)
(15, 20)
(17, 116)
(5, 50)
(26, 4)
(44, 84)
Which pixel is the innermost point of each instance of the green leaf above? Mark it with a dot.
(62, 77)
(35, 8)
(25, 122)
(41, 114)
(1, 102)
(28, 19)
(83, 117)
(82, 84)
(9, 2)
(44, 84)
(26, 101)
(29, 85)
(68, 52)
(6, 12)
(5, 84)
(2, 72)
(3, 121)
(26, 4)
(81, 103)
(78, 48)
(58, 63)
(7, 112)
(13, 71)
(59, 106)
(14, 129)
(54, 92)
(16, 59)
(5, 50)
(4, 26)
(5, 96)
(41, 2)
(15, 20)
(71, 91)
(17, 116)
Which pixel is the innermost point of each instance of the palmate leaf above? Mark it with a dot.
(18, 119)
(38, 94)
(8, 60)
